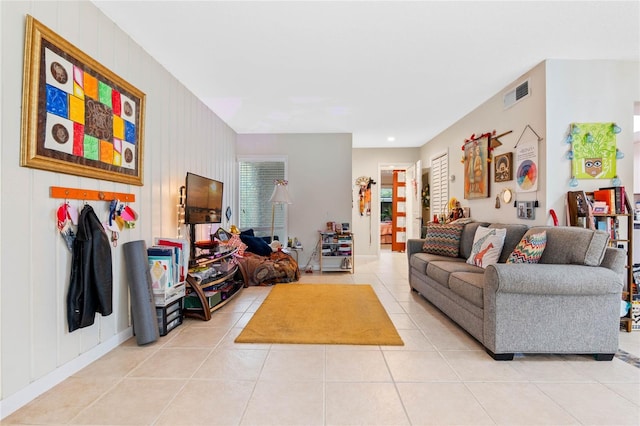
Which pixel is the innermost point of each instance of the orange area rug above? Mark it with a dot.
(341, 314)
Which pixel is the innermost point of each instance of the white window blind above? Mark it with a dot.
(439, 184)
(256, 183)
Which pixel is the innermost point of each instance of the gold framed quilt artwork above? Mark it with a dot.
(78, 117)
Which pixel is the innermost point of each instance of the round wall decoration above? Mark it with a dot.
(506, 195)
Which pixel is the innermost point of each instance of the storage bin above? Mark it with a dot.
(169, 316)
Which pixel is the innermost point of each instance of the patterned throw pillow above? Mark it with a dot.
(235, 241)
(487, 246)
(443, 239)
(529, 249)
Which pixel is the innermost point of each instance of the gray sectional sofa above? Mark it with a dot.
(568, 303)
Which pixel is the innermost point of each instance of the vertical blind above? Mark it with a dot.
(439, 184)
(256, 184)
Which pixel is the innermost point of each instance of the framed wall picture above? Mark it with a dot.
(503, 167)
(476, 170)
(222, 235)
(526, 210)
(78, 117)
(594, 150)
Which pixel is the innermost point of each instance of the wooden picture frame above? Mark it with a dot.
(503, 167)
(476, 168)
(78, 117)
(222, 235)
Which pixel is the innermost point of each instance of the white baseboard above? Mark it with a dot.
(43, 384)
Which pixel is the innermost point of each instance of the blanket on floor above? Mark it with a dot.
(278, 267)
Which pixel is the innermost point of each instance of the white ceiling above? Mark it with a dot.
(398, 69)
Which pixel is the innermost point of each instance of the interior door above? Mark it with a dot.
(414, 200)
(399, 224)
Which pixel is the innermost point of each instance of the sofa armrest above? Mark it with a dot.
(614, 259)
(551, 308)
(550, 280)
(414, 246)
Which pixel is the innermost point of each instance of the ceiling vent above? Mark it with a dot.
(514, 96)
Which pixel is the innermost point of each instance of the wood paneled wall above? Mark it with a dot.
(181, 134)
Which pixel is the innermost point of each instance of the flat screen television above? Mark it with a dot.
(203, 202)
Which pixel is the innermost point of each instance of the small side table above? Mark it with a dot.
(295, 249)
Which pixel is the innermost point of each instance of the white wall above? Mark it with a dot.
(585, 92)
(636, 151)
(490, 116)
(319, 172)
(636, 167)
(181, 134)
(367, 162)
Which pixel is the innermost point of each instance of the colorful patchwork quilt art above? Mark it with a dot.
(86, 117)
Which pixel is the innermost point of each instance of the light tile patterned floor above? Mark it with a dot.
(442, 376)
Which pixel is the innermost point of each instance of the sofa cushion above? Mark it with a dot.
(421, 260)
(487, 246)
(511, 240)
(529, 249)
(469, 286)
(443, 239)
(440, 270)
(573, 245)
(466, 239)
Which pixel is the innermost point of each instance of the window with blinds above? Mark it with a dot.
(439, 184)
(256, 184)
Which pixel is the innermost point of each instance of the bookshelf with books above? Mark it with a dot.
(616, 218)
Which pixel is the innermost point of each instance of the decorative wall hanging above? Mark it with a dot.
(426, 197)
(495, 139)
(593, 150)
(526, 210)
(364, 184)
(526, 162)
(78, 117)
(476, 166)
(503, 167)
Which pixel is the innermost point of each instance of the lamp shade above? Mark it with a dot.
(280, 194)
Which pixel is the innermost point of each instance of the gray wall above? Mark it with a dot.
(36, 350)
(367, 162)
(562, 92)
(319, 172)
(487, 117)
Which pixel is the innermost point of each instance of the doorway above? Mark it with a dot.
(400, 206)
(386, 208)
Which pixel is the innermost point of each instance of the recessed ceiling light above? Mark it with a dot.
(391, 139)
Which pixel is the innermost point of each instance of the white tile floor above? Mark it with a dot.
(442, 376)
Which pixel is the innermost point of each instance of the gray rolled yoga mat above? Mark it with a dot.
(143, 309)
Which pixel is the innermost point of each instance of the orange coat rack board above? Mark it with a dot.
(90, 195)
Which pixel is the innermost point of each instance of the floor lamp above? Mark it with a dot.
(280, 196)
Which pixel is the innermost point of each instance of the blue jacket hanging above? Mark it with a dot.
(91, 283)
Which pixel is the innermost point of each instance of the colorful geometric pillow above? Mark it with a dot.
(529, 249)
(443, 239)
(487, 246)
